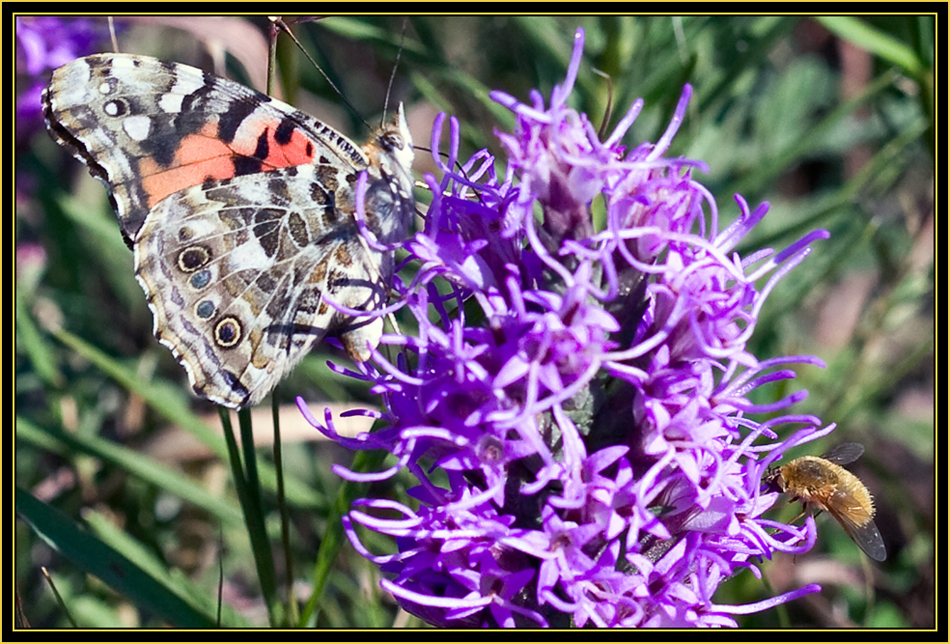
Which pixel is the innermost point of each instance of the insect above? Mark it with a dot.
(240, 212)
(821, 483)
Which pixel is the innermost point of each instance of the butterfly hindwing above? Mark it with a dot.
(237, 277)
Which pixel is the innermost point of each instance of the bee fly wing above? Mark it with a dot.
(869, 540)
(866, 536)
(844, 453)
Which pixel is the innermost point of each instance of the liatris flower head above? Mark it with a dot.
(575, 402)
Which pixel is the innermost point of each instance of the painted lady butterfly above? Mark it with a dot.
(240, 211)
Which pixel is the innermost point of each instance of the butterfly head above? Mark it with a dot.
(395, 142)
(389, 201)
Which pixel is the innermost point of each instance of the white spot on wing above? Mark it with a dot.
(188, 80)
(122, 62)
(137, 127)
(171, 103)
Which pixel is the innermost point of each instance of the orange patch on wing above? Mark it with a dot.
(204, 156)
(298, 151)
(199, 157)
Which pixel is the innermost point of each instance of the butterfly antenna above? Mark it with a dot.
(279, 23)
(458, 166)
(115, 40)
(392, 76)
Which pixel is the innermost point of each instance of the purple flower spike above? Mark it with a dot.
(575, 403)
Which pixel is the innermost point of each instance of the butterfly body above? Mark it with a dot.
(241, 213)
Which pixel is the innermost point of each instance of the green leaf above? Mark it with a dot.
(863, 35)
(93, 556)
(173, 578)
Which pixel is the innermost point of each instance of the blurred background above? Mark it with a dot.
(829, 120)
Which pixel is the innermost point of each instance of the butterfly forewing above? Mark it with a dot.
(241, 213)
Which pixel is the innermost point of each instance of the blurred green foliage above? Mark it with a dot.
(830, 120)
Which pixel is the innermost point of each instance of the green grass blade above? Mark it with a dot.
(334, 538)
(170, 403)
(292, 610)
(34, 344)
(175, 579)
(263, 555)
(865, 36)
(253, 518)
(101, 560)
(160, 476)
